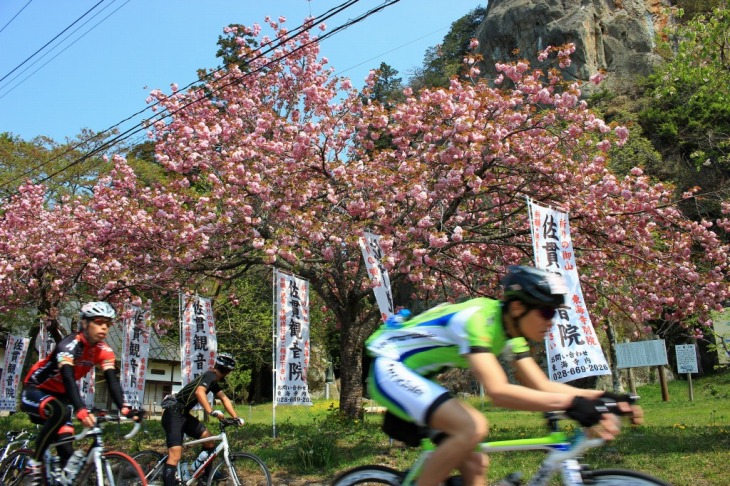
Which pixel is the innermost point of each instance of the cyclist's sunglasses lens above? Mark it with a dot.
(547, 312)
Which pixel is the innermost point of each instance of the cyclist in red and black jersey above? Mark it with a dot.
(50, 388)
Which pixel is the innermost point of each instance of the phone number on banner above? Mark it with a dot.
(577, 370)
(294, 400)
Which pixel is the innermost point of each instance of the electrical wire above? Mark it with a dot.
(128, 133)
(50, 41)
(143, 126)
(56, 46)
(11, 20)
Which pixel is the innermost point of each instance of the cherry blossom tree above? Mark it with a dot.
(124, 241)
(284, 160)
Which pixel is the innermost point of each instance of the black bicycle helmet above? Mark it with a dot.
(225, 360)
(534, 287)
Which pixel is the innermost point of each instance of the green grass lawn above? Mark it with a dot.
(683, 442)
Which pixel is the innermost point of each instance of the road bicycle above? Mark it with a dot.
(563, 457)
(16, 439)
(96, 465)
(234, 468)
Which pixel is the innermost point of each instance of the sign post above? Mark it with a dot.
(687, 363)
(644, 353)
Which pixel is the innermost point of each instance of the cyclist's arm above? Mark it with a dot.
(201, 393)
(115, 389)
(529, 374)
(489, 372)
(69, 383)
(227, 404)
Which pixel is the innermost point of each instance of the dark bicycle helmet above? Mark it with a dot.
(534, 287)
(225, 360)
(97, 309)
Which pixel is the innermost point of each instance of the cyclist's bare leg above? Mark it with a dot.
(207, 445)
(466, 427)
(474, 469)
(174, 454)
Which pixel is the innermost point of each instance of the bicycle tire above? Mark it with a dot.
(248, 470)
(369, 475)
(147, 461)
(13, 467)
(124, 470)
(620, 477)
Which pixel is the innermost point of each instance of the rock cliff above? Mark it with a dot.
(617, 36)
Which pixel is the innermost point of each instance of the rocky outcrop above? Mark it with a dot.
(617, 36)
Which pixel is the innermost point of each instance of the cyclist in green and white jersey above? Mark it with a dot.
(472, 335)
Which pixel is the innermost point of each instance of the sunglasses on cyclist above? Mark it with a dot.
(100, 321)
(547, 312)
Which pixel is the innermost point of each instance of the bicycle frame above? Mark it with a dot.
(14, 439)
(93, 454)
(562, 454)
(194, 475)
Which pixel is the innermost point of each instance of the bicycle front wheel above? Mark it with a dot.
(148, 461)
(12, 468)
(118, 469)
(620, 477)
(246, 469)
(369, 475)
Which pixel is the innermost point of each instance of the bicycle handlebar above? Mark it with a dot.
(103, 416)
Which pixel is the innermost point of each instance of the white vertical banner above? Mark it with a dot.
(198, 340)
(373, 255)
(16, 348)
(135, 354)
(572, 346)
(292, 340)
(44, 342)
(87, 388)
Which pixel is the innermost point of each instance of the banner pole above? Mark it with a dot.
(273, 355)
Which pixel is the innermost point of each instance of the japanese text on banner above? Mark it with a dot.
(373, 256)
(16, 349)
(572, 346)
(292, 350)
(44, 342)
(198, 341)
(87, 388)
(135, 354)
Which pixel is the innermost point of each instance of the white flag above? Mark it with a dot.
(16, 349)
(44, 342)
(292, 343)
(135, 355)
(373, 254)
(572, 346)
(198, 340)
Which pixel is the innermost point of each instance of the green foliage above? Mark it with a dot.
(236, 384)
(443, 61)
(235, 46)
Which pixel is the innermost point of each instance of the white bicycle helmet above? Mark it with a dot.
(97, 309)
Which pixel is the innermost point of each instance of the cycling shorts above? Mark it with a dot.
(177, 422)
(404, 392)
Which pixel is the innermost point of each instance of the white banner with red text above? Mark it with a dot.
(135, 354)
(373, 256)
(573, 349)
(198, 340)
(291, 307)
(16, 348)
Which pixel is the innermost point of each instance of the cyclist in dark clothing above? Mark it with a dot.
(49, 389)
(177, 420)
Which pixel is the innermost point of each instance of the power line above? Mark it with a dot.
(11, 20)
(121, 137)
(62, 51)
(50, 41)
(143, 126)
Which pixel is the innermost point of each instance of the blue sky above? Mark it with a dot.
(101, 72)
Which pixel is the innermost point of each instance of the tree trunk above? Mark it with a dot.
(615, 374)
(351, 376)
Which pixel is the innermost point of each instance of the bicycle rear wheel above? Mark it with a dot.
(247, 470)
(12, 468)
(148, 460)
(369, 475)
(620, 477)
(118, 469)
